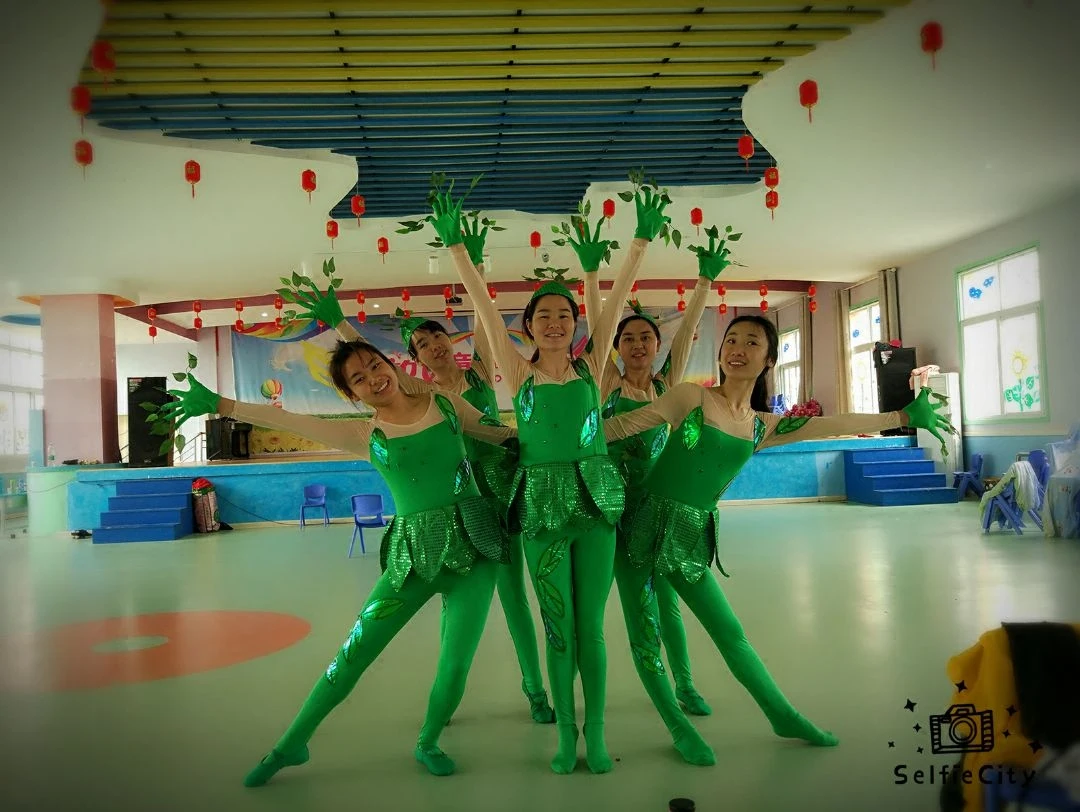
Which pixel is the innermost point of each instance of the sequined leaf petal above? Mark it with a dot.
(788, 425)
(448, 412)
(759, 430)
(472, 378)
(658, 443)
(648, 659)
(665, 370)
(691, 428)
(380, 449)
(608, 411)
(352, 640)
(331, 672)
(551, 631)
(525, 400)
(582, 370)
(648, 593)
(463, 476)
(381, 608)
(589, 430)
(551, 558)
(550, 599)
(488, 420)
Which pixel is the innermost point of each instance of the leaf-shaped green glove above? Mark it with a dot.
(474, 239)
(315, 304)
(712, 260)
(198, 400)
(446, 217)
(922, 414)
(651, 219)
(589, 247)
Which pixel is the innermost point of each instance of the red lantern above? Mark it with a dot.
(581, 309)
(932, 40)
(361, 317)
(358, 207)
(405, 295)
(332, 232)
(634, 288)
(722, 290)
(447, 292)
(534, 241)
(238, 306)
(813, 306)
(360, 298)
(405, 313)
(764, 306)
(772, 177)
(80, 103)
(811, 291)
(609, 209)
(103, 58)
(581, 289)
(808, 97)
(536, 286)
(449, 312)
(682, 305)
(239, 325)
(198, 323)
(196, 306)
(153, 331)
(492, 292)
(383, 245)
(84, 154)
(772, 200)
(722, 308)
(192, 174)
(151, 313)
(278, 323)
(680, 288)
(307, 182)
(696, 218)
(278, 303)
(746, 149)
(763, 290)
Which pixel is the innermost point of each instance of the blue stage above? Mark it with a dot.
(267, 491)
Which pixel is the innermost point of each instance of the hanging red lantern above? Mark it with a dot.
(772, 177)
(239, 325)
(405, 295)
(682, 305)
(449, 312)
(332, 232)
(192, 174)
(609, 209)
(534, 241)
(307, 182)
(722, 290)
(722, 308)
(358, 206)
(447, 292)
(634, 288)
(764, 306)
(361, 317)
(198, 323)
(763, 290)
(696, 217)
(278, 323)
(492, 292)
(360, 298)
(932, 40)
(278, 303)
(80, 103)
(153, 331)
(405, 313)
(84, 154)
(808, 97)
(383, 245)
(103, 58)
(746, 149)
(151, 313)
(238, 305)
(196, 306)
(536, 286)
(811, 291)
(772, 200)
(581, 289)
(813, 306)
(680, 288)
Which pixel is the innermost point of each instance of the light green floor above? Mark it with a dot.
(854, 609)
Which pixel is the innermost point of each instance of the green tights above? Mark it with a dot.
(385, 613)
(572, 575)
(644, 618)
(708, 603)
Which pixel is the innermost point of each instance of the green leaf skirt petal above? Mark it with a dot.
(673, 537)
(550, 497)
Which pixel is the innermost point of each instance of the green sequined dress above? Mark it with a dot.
(493, 466)
(565, 478)
(636, 455)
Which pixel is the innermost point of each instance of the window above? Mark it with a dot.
(864, 326)
(789, 368)
(21, 389)
(1000, 335)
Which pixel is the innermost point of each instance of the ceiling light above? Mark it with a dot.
(375, 304)
(265, 315)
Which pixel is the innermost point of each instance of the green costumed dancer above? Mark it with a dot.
(652, 616)
(567, 493)
(428, 342)
(444, 538)
(673, 530)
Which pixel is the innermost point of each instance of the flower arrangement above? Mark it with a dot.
(809, 409)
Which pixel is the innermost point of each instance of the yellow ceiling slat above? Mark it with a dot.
(520, 56)
(381, 72)
(589, 39)
(503, 23)
(113, 89)
(178, 8)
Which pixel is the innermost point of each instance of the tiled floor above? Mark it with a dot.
(854, 609)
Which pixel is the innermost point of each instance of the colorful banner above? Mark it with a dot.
(288, 368)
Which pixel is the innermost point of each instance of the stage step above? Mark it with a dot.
(888, 454)
(147, 510)
(893, 477)
(882, 482)
(913, 496)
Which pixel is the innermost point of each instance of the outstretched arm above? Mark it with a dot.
(593, 301)
(683, 342)
(672, 407)
(483, 361)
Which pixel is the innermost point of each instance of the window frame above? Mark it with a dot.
(778, 380)
(866, 346)
(36, 395)
(998, 316)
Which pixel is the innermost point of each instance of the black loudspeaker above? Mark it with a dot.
(226, 439)
(143, 447)
(893, 366)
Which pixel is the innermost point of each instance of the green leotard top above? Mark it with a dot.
(635, 455)
(441, 518)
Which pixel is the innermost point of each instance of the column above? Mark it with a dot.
(79, 339)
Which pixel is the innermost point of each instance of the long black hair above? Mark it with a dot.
(428, 326)
(342, 353)
(759, 398)
(530, 310)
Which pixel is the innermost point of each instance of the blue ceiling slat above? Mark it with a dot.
(420, 131)
(357, 146)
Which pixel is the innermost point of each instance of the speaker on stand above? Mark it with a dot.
(143, 446)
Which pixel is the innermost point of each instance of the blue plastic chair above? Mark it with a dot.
(1003, 507)
(314, 497)
(367, 509)
(970, 479)
(1039, 462)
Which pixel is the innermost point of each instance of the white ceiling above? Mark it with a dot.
(900, 160)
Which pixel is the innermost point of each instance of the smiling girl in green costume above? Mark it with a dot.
(567, 493)
(428, 342)
(445, 537)
(673, 529)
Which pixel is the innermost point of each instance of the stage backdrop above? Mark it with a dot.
(288, 368)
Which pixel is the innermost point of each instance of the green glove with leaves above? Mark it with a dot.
(591, 250)
(922, 414)
(446, 217)
(650, 207)
(474, 239)
(198, 400)
(713, 260)
(313, 303)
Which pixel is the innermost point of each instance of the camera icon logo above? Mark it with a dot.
(966, 730)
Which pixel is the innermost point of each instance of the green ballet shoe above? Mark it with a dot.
(797, 726)
(542, 712)
(596, 752)
(436, 761)
(273, 762)
(692, 702)
(566, 756)
(693, 749)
